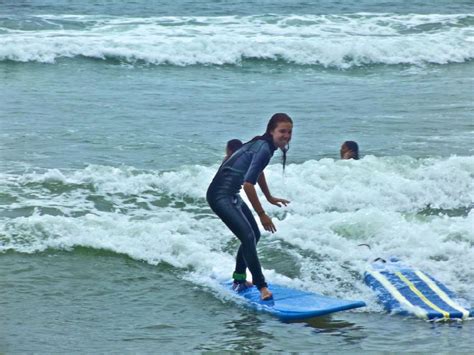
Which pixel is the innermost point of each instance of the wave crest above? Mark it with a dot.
(339, 41)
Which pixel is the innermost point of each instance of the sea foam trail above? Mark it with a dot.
(417, 209)
(391, 183)
(339, 41)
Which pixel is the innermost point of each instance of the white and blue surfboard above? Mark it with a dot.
(291, 304)
(405, 290)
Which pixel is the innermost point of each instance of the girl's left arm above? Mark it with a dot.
(262, 182)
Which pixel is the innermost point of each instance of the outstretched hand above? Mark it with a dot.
(267, 223)
(278, 201)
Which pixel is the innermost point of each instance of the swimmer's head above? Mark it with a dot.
(232, 146)
(349, 150)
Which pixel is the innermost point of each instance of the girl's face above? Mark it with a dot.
(282, 134)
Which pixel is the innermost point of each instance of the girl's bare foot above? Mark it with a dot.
(265, 294)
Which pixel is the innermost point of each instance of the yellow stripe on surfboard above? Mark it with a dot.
(418, 311)
(421, 295)
(442, 294)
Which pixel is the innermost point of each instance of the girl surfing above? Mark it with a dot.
(245, 168)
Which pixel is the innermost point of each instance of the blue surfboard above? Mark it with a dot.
(405, 290)
(291, 304)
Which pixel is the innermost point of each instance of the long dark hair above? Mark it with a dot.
(271, 125)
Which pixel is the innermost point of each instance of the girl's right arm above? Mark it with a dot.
(257, 206)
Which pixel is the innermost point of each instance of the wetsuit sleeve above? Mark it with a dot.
(260, 160)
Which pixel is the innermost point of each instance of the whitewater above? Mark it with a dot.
(398, 206)
(337, 41)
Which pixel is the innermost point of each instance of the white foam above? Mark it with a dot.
(400, 184)
(340, 41)
(174, 238)
(336, 205)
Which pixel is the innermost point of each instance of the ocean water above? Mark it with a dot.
(113, 120)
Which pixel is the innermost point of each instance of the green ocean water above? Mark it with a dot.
(88, 300)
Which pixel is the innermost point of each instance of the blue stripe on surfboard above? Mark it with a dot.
(402, 289)
(415, 300)
(433, 296)
(432, 305)
(429, 294)
(446, 290)
(385, 297)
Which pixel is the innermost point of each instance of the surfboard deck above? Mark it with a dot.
(406, 290)
(291, 304)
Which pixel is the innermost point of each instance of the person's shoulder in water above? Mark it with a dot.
(349, 150)
(231, 147)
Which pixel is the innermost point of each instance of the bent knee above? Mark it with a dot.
(249, 239)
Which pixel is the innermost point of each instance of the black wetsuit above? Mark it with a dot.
(245, 165)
